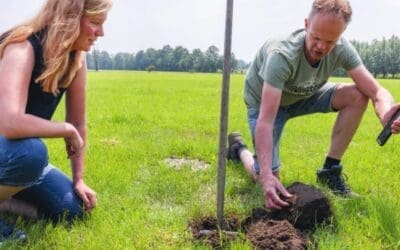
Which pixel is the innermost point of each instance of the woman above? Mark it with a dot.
(41, 60)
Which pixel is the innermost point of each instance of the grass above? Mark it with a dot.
(137, 119)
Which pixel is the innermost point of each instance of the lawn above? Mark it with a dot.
(136, 120)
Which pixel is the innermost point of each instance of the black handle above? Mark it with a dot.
(386, 132)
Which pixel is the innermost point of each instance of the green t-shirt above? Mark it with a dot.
(282, 63)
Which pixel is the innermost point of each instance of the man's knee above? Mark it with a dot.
(349, 96)
(359, 98)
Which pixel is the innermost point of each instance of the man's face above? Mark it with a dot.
(323, 32)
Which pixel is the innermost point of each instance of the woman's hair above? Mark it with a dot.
(341, 8)
(60, 22)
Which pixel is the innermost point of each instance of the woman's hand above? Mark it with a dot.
(74, 143)
(87, 195)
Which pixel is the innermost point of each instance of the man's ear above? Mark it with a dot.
(305, 23)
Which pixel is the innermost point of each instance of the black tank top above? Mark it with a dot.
(40, 103)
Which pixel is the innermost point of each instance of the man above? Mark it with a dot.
(289, 78)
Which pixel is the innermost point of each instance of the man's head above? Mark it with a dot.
(325, 24)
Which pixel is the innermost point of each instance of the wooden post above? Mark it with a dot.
(223, 129)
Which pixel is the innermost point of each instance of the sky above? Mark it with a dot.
(134, 25)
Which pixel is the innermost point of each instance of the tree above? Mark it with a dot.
(119, 61)
(211, 59)
(198, 60)
(105, 61)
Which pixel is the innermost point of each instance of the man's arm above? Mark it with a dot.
(381, 97)
(270, 101)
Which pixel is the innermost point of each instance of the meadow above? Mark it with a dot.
(136, 120)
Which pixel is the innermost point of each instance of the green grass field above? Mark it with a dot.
(138, 119)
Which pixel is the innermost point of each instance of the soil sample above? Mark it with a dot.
(308, 208)
(274, 234)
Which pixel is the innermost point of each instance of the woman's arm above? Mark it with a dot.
(16, 67)
(76, 115)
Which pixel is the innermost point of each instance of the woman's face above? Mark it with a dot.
(91, 28)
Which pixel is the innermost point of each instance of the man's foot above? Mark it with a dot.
(333, 178)
(235, 145)
(7, 231)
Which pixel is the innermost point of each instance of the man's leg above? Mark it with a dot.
(351, 104)
(248, 160)
(238, 151)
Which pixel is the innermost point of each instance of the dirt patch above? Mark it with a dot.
(282, 229)
(274, 234)
(179, 163)
(206, 230)
(110, 141)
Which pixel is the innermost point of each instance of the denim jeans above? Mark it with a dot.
(24, 163)
(320, 102)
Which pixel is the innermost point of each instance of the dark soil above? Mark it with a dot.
(206, 229)
(273, 234)
(281, 229)
(308, 208)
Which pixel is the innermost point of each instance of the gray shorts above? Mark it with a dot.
(320, 102)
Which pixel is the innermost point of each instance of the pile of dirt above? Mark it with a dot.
(308, 208)
(273, 234)
(281, 229)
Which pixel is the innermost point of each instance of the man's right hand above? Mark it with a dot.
(272, 187)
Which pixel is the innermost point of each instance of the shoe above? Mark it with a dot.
(235, 145)
(333, 178)
(7, 232)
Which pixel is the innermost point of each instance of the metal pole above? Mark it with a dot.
(224, 114)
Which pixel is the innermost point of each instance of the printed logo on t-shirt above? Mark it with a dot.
(306, 88)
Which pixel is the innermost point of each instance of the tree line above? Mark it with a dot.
(165, 59)
(381, 57)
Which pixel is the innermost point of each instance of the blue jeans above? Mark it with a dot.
(24, 163)
(320, 102)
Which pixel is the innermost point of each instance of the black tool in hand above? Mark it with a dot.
(387, 132)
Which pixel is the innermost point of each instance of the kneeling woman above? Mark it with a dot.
(40, 61)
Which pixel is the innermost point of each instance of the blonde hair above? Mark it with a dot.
(341, 8)
(60, 22)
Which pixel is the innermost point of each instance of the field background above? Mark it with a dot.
(138, 119)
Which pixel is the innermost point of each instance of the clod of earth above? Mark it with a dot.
(308, 208)
(274, 234)
(280, 229)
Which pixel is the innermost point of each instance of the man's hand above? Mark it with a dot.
(272, 187)
(87, 195)
(395, 126)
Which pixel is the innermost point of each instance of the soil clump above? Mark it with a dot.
(281, 229)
